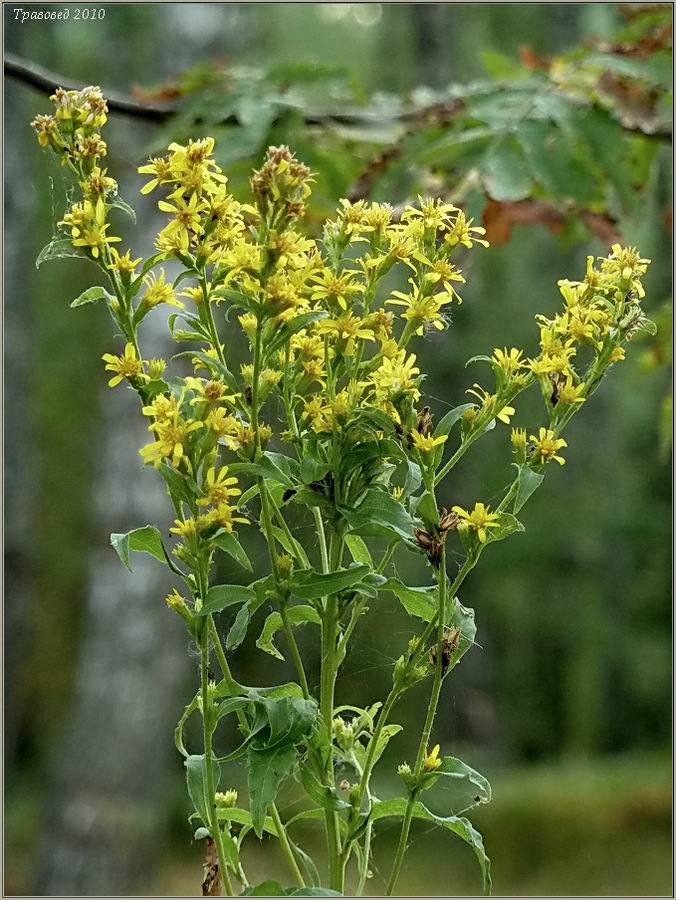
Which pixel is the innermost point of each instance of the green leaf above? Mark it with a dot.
(140, 540)
(229, 544)
(505, 172)
(528, 481)
(197, 784)
(358, 549)
(422, 602)
(464, 787)
(379, 514)
(238, 628)
(311, 585)
(181, 486)
(386, 734)
(267, 769)
(91, 295)
(243, 817)
(59, 247)
(462, 827)
(289, 720)
(266, 468)
(312, 469)
(555, 163)
(444, 427)
(297, 615)
(426, 509)
(221, 596)
(264, 889)
(508, 525)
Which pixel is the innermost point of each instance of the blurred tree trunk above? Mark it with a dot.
(20, 482)
(108, 796)
(432, 34)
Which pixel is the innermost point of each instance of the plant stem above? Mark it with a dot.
(213, 824)
(288, 630)
(286, 846)
(244, 725)
(427, 728)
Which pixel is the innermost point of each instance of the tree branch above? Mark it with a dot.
(47, 82)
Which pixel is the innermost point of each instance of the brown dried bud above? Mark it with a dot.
(450, 645)
(448, 521)
(425, 421)
(431, 544)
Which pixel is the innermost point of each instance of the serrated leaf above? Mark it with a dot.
(267, 769)
(91, 295)
(312, 585)
(297, 615)
(140, 540)
(325, 795)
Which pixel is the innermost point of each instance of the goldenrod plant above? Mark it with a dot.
(328, 417)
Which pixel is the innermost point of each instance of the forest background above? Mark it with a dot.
(551, 123)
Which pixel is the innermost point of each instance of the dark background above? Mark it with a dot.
(566, 705)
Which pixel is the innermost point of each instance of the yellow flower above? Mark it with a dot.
(163, 406)
(518, 439)
(570, 393)
(158, 291)
(224, 516)
(125, 265)
(617, 355)
(478, 520)
(433, 213)
(488, 401)
(172, 437)
(189, 528)
(221, 423)
(546, 445)
(212, 392)
(127, 366)
(463, 232)
(396, 376)
(432, 761)
(335, 288)
(421, 309)
(88, 226)
(425, 443)
(219, 487)
(187, 218)
(160, 169)
(508, 361)
(346, 327)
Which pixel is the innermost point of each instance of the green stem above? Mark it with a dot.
(286, 846)
(288, 630)
(427, 728)
(213, 824)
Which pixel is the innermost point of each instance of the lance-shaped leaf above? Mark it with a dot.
(297, 615)
(307, 584)
(460, 826)
(91, 295)
(267, 769)
(197, 784)
(58, 248)
(528, 481)
(221, 596)
(140, 540)
(444, 427)
(229, 544)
